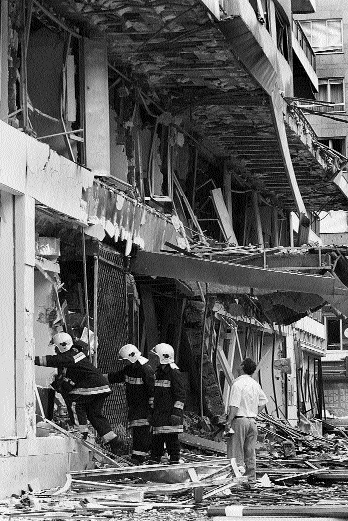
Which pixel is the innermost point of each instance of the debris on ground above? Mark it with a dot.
(300, 472)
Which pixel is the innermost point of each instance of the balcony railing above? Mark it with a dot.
(304, 43)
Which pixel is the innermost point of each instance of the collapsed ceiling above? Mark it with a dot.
(177, 52)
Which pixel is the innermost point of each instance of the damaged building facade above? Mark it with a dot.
(159, 183)
(326, 31)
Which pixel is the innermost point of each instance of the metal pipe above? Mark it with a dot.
(275, 512)
(28, 23)
(60, 134)
(84, 259)
(23, 71)
(95, 309)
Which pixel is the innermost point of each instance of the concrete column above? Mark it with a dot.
(4, 60)
(7, 329)
(24, 233)
(97, 129)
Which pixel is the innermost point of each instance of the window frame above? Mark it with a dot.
(331, 109)
(334, 81)
(343, 343)
(332, 139)
(327, 49)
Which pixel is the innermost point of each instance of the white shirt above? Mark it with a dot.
(247, 395)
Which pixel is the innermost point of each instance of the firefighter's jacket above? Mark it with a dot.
(170, 394)
(80, 375)
(139, 379)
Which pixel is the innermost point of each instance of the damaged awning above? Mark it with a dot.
(190, 268)
(110, 212)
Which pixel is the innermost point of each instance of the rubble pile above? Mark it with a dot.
(286, 454)
(120, 493)
(295, 469)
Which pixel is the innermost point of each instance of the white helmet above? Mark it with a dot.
(129, 352)
(63, 341)
(165, 353)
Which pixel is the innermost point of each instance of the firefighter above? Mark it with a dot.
(85, 385)
(139, 378)
(169, 403)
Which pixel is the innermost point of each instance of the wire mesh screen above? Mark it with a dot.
(112, 329)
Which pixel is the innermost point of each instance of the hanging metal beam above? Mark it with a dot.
(189, 268)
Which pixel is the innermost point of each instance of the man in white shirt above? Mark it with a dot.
(247, 399)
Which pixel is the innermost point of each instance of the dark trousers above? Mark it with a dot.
(90, 407)
(68, 402)
(141, 442)
(172, 443)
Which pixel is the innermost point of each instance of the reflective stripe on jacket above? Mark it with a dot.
(87, 379)
(139, 379)
(170, 394)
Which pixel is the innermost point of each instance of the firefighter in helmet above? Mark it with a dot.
(139, 379)
(85, 385)
(169, 400)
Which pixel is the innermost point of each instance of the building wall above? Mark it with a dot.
(331, 65)
(336, 399)
(41, 463)
(29, 171)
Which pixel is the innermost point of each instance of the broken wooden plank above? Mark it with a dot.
(193, 474)
(300, 475)
(202, 443)
(223, 215)
(218, 490)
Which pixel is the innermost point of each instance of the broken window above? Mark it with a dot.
(53, 88)
(160, 163)
(282, 31)
(324, 35)
(337, 333)
(44, 79)
(143, 144)
(332, 91)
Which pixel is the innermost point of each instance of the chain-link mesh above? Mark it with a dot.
(112, 330)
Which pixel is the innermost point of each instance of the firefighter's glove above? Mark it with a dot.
(175, 420)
